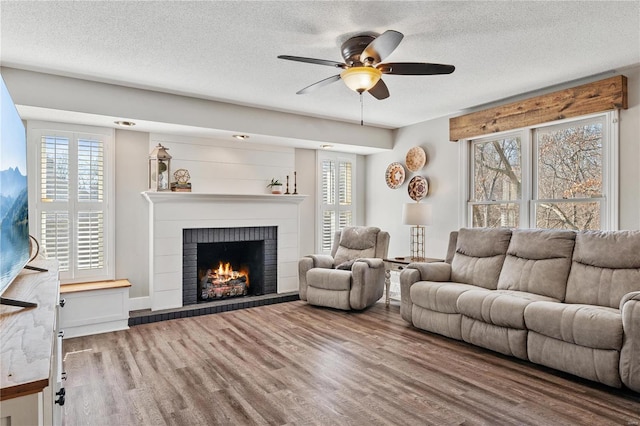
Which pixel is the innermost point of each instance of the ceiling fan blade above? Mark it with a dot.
(379, 91)
(415, 68)
(381, 47)
(318, 84)
(313, 61)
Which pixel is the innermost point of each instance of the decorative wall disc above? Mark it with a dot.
(416, 159)
(418, 188)
(394, 175)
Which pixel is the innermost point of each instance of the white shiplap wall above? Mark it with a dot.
(228, 167)
(220, 167)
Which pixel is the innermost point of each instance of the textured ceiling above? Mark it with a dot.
(227, 51)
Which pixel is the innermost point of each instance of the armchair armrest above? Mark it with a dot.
(309, 262)
(629, 360)
(419, 271)
(367, 282)
(372, 262)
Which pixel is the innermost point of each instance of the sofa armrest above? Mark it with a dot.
(634, 295)
(419, 271)
(629, 360)
(438, 271)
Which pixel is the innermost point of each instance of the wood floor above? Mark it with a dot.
(292, 363)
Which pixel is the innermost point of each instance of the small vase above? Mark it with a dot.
(276, 189)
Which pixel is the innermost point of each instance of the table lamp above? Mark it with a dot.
(418, 215)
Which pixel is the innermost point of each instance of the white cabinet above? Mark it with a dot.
(95, 307)
(31, 351)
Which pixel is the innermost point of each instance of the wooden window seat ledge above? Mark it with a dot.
(94, 285)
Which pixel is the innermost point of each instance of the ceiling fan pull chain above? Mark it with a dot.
(361, 110)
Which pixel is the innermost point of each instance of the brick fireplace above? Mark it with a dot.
(251, 252)
(173, 213)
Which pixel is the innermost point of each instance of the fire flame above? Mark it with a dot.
(226, 273)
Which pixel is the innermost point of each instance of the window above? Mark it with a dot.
(497, 182)
(559, 176)
(72, 192)
(337, 206)
(569, 189)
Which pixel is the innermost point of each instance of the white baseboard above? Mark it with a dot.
(139, 303)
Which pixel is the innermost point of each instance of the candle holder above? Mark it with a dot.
(287, 193)
(295, 183)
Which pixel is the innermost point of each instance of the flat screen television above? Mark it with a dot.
(14, 213)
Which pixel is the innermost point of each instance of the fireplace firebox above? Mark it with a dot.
(220, 263)
(230, 269)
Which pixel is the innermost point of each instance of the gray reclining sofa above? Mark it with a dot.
(567, 300)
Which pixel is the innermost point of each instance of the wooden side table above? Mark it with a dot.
(398, 264)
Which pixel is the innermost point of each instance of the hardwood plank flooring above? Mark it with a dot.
(292, 363)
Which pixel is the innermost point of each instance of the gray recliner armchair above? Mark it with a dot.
(352, 277)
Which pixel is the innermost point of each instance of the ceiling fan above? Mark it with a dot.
(363, 67)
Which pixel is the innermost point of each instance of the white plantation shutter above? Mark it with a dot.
(54, 237)
(90, 240)
(54, 167)
(336, 189)
(73, 201)
(90, 170)
(345, 183)
(328, 229)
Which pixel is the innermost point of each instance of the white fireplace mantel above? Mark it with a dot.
(172, 212)
(166, 196)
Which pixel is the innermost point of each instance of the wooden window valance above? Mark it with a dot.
(591, 98)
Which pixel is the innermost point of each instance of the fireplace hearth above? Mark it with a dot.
(221, 263)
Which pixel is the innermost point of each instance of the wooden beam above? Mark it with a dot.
(603, 95)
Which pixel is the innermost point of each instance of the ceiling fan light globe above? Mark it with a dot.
(361, 79)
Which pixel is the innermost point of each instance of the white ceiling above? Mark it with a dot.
(226, 51)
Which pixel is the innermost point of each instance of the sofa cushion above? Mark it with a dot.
(479, 256)
(590, 326)
(355, 242)
(329, 279)
(506, 340)
(606, 266)
(504, 308)
(439, 296)
(538, 261)
(599, 365)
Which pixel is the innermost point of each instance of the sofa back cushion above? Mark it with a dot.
(538, 261)
(479, 256)
(356, 242)
(605, 267)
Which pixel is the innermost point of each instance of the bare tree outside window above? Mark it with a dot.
(564, 183)
(497, 182)
(569, 176)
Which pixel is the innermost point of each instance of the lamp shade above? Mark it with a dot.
(360, 79)
(416, 214)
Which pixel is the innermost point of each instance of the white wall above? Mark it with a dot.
(227, 167)
(630, 155)
(384, 205)
(306, 168)
(132, 218)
